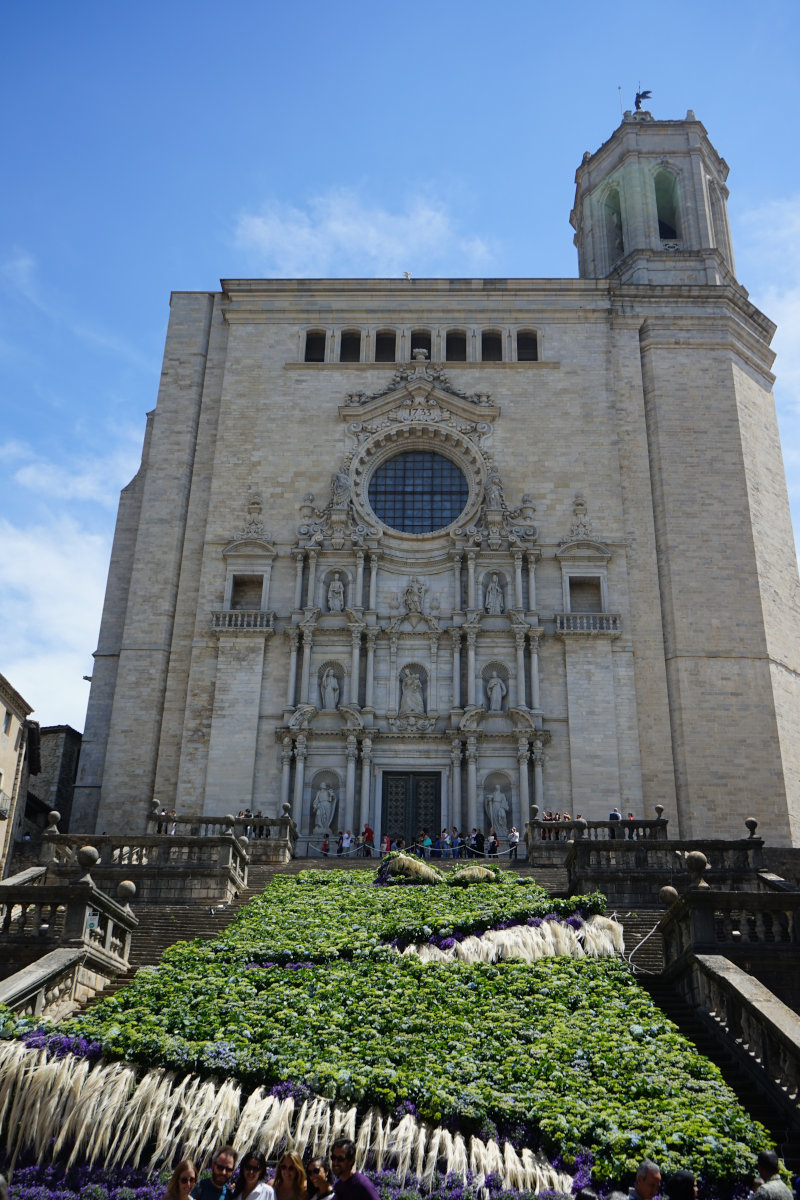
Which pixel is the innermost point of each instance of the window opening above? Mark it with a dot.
(491, 346)
(667, 206)
(385, 345)
(613, 215)
(420, 340)
(418, 491)
(246, 591)
(585, 595)
(456, 346)
(315, 345)
(527, 346)
(350, 346)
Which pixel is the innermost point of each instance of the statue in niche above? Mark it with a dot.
(329, 689)
(411, 697)
(412, 596)
(494, 493)
(340, 490)
(336, 594)
(323, 806)
(495, 600)
(495, 691)
(497, 811)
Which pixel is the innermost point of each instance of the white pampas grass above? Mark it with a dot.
(598, 937)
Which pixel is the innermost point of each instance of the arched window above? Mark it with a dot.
(315, 345)
(418, 491)
(612, 210)
(719, 223)
(385, 345)
(491, 346)
(456, 345)
(350, 346)
(527, 346)
(666, 187)
(420, 340)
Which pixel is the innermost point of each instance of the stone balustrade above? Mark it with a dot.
(537, 831)
(177, 868)
(762, 1030)
(589, 623)
(243, 621)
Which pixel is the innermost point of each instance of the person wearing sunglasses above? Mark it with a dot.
(320, 1179)
(290, 1177)
(184, 1177)
(219, 1186)
(350, 1184)
(251, 1183)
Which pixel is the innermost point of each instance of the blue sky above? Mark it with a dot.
(162, 146)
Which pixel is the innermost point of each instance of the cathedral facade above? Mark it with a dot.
(424, 552)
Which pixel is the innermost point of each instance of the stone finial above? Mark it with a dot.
(53, 817)
(126, 890)
(155, 807)
(659, 812)
(287, 808)
(87, 857)
(751, 824)
(668, 895)
(230, 822)
(697, 862)
(243, 840)
(534, 812)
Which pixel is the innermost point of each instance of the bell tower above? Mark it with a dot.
(650, 205)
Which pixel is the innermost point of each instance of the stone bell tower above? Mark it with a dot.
(650, 205)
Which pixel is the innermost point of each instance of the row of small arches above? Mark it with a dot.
(521, 346)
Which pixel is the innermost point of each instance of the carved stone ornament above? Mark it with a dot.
(497, 522)
(412, 723)
(581, 525)
(254, 522)
(420, 371)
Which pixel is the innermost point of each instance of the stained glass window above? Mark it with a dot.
(418, 492)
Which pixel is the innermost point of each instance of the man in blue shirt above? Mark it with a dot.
(218, 1187)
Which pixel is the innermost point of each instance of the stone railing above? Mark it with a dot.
(591, 623)
(177, 868)
(538, 830)
(67, 941)
(243, 621)
(763, 1032)
(268, 839)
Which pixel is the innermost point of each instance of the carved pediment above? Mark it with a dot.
(583, 550)
(419, 391)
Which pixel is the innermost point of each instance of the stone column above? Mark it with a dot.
(308, 642)
(299, 557)
(471, 636)
(521, 818)
(456, 583)
(355, 663)
(433, 680)
(533, 638)
(394, 683)
(311, 597)
(519, 639)
(357, 600)
(300, 752)
(531, 556)
(455, 638)
(472, 783)
(471, 555)
(456, 817)
(366, 775)
(373, 581)
(294, 638)
(286, 770)
(518, 579)
(350, 783)
(538, 773)
(372, 637)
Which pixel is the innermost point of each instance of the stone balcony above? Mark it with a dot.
(592, 624)
(243, 621)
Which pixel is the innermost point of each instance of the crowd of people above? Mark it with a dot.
(292, 1179)
(337, 1176)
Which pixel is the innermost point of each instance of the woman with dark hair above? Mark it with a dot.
(251, 1181)
(290, 1177)
(182, 1180)
(680, 1185)
(320, 1179)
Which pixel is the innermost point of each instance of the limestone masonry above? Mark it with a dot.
(422, 553)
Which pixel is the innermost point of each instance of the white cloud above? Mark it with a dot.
(339, 234)
(52, 581)
(96, 478)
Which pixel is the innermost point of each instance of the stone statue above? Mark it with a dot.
(411, 697)
(329, 689)
(336, 594)
(340, 490)
(494, 492)
(412, 596)
(324, 804)
(495, 691)
(497, 810)
(495, 601)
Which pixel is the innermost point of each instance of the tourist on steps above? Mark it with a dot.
(290, 1177)
(772, 1186)
(350, 1184)
(218, 1186)
(251, 1182)
(183, 1179)
(320, 1179)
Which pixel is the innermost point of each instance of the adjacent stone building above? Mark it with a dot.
(423, 552)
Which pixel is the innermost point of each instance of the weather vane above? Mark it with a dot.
(640, 96)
